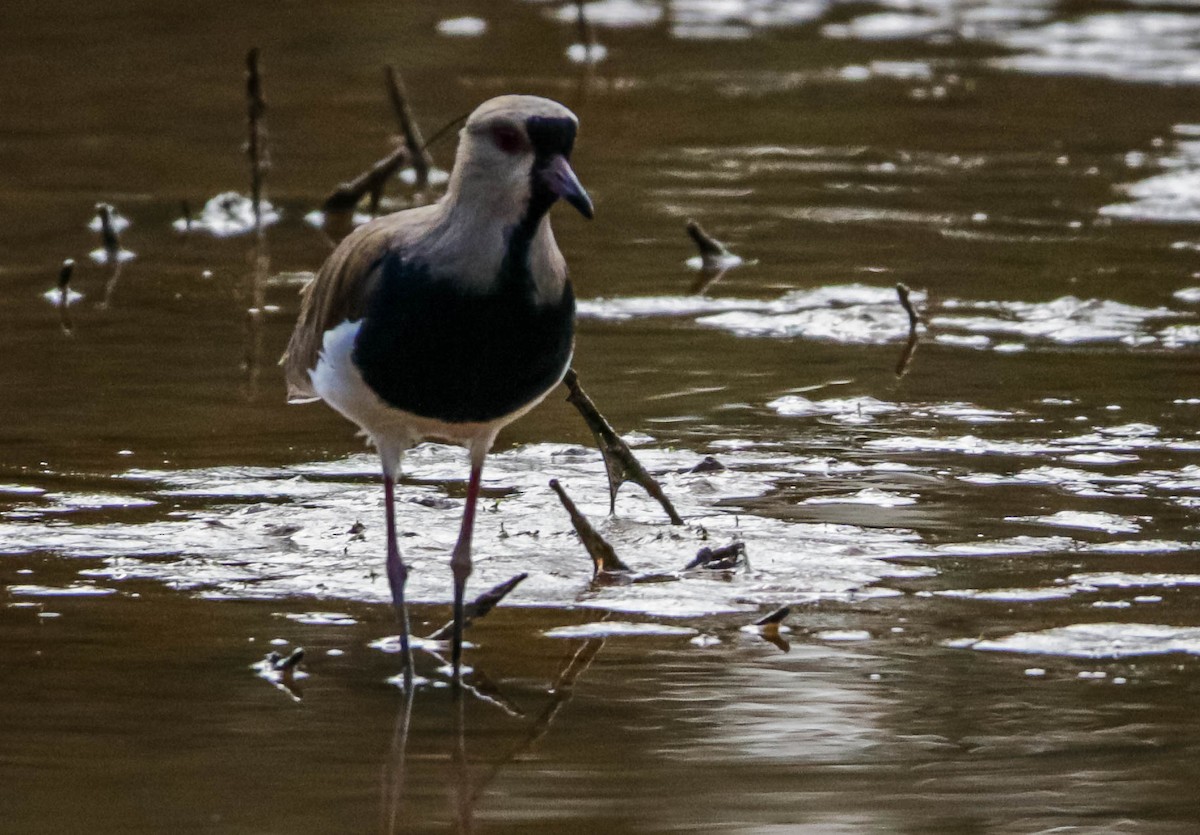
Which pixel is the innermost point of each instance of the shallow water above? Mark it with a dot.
(991, 559)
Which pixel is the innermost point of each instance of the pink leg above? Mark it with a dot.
(397, 575)
(460, 563)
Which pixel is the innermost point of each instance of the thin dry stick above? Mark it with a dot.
(420, 159)
(256, 140)
(604, 558)
(619, 461)
(910, 347)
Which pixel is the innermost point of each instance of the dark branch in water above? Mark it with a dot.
(604, 558)
(419, 157)
(340, 203)
(480, 606)
(256, 141)
(619, 461)
(719, 559)
(108, 232)
(910, 347)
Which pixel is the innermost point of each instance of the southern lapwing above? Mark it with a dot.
(449, 321)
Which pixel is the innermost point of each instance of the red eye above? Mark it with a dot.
(508, 139)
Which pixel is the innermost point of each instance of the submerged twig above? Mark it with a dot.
(619, 461)
(256, 140)
(914, 320)
(604, 558)
(480, 606)
(419, 158)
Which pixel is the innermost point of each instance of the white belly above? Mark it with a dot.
(338, 382)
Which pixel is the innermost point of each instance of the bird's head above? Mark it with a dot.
(515, 153)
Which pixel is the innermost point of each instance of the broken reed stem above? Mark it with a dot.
(419, 158)
(480, 606)
(914, 320)
(619, 461)
(256, 140)
(604, 558)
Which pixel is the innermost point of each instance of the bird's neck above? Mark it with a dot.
(493, 243)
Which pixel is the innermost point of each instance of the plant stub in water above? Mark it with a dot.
(604, 558)
(480, 606)
(419, 158)
(914, 320)
(714, 259)
(619, 462)
(256, 133)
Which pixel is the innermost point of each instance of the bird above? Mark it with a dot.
(446, 322)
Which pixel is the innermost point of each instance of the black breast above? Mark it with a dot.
(428, 347)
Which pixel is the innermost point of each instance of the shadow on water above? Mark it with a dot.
(987, 545)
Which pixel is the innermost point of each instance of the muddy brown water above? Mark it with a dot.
(991, 561)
